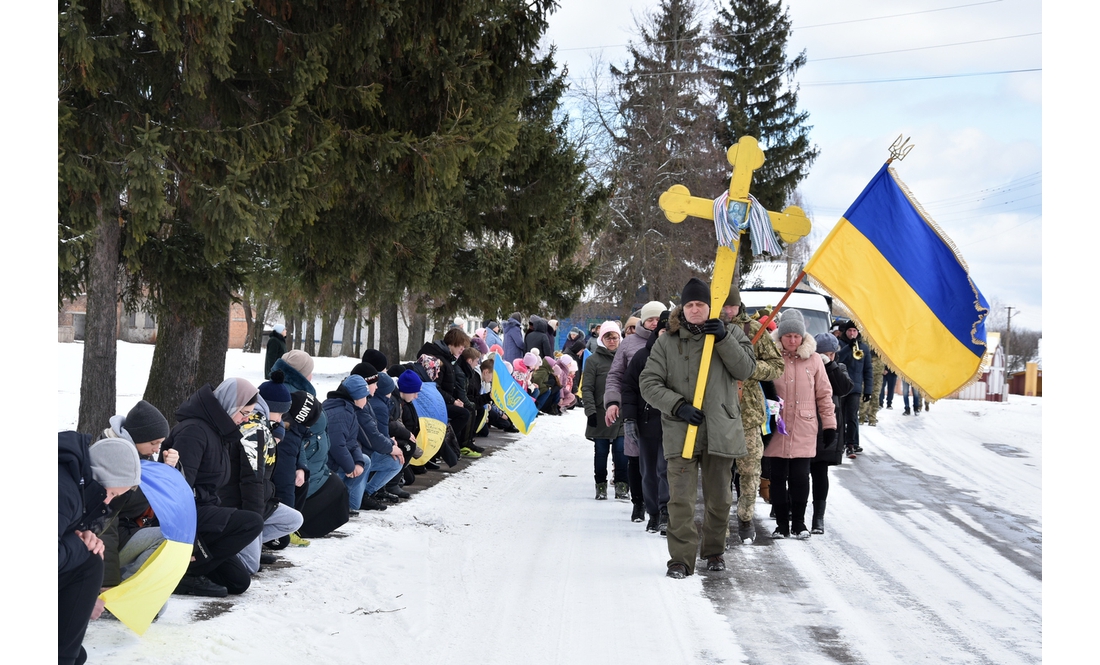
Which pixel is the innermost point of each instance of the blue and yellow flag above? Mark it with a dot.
(432, 411)
(512, 399)
(138, 599)
(907, 287)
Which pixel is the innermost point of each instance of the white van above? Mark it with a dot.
(816, 308)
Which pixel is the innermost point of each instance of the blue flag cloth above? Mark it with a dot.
(512, 399)
(432, 411)
(908, 289)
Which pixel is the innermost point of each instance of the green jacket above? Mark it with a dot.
(595, 376)
(668, 381)
(769, 367)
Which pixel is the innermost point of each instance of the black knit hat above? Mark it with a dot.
(375, 358)
(695, 289)
(367, 371)
(304, 409)
(275, 393)
(145, 423)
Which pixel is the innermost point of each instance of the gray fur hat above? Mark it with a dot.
(791, 322)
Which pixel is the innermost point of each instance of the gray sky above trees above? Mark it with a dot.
(977, 164)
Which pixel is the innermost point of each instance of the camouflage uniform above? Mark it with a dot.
(769, 366)
(868, 411)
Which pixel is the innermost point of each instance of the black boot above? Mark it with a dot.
(818, 522)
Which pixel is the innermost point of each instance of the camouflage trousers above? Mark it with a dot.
(748, 468)
(868, 411)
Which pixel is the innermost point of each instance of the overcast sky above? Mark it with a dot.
(976, 167)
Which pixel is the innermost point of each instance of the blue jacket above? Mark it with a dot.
(513, 340)
(314, 451)
(344, 432)
(859, 371)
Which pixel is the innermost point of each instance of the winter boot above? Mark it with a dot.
(297, 541)
(905, 412)
(782, 521)
(395, 489)
(200, 585)
(651, 526)
(372, 503)
(766, 490)
(716, 563)
(746, 532)
(817, 524)
(601, 491)
(639, 513)
(677, 571)
(662, 523)
(622, 491)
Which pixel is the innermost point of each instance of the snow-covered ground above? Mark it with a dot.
(933, 553)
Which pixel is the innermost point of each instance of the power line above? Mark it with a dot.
(793, 28)
(921, 78)
(923, 48)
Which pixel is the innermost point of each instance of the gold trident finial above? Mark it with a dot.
(899, 149)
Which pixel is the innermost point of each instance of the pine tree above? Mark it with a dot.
(663, 134)
(757, 97)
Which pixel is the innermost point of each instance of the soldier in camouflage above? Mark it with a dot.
(769, 366)
(868, 411)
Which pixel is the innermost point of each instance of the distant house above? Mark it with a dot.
(139, 326)
(993, 386)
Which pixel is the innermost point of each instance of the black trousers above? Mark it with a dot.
(849, 409)
(77, 590)
(819, 474)
(790, 490)
(326, 510)
(216, 550)
(460, 419)
(634, 478)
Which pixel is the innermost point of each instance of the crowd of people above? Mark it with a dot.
(780, 406)
(276, 465)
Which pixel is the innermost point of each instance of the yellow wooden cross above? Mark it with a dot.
(678, 204)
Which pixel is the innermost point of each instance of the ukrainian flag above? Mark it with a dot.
(907, 287)
(512, 399)
(432, 411)
(138, 599)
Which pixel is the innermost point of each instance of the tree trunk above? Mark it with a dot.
(370, 333)
(291, 333)
(256, 321)
(389, 343)
(175, 363)
(351, 326)
(97, 374)
(213, 347)
(329, 317)
(358, 335)
(249, 324)
(310, 333)
(418, 326)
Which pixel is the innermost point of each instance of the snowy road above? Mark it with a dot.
(933, 553)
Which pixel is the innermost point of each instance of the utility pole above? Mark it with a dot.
(1008, 336)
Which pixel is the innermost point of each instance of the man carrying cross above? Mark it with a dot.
(668, 383)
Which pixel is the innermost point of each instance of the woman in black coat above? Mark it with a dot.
(208, 423)
(646, 422)
(832, 454)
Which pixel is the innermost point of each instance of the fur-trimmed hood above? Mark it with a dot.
(674, 320)
(805, 349)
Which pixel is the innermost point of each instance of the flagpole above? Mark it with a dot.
(782, 300)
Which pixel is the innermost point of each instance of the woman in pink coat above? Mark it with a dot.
(807, 395)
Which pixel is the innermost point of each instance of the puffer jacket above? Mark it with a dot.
(861, 370)
(513, 340)
(539, 337)
(806, 394)
(841, 385)
(595, 377)
(313, 455)
(669, 378)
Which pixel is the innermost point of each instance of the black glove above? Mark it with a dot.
(716, 328)
(690, 413)
(828, 437)
(866, 397)
(592, 421)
